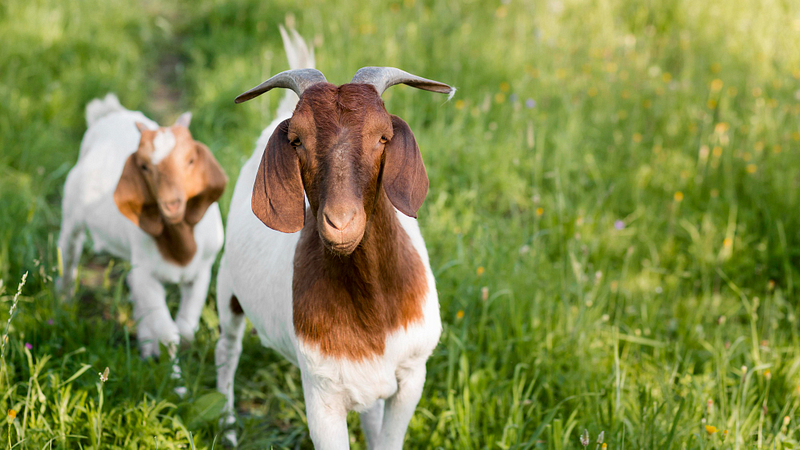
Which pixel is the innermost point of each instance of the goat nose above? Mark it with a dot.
(172, 206)
(339, 220)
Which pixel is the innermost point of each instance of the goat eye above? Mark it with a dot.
(144, 167)
(384, 140)
(296, 142)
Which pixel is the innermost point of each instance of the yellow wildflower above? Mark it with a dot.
(752, 168)
(504, 87)
(716, 85)
(12, 414)
(480, 270)
(711, 429)
(539, 211)
(678, 196)
(460, 314)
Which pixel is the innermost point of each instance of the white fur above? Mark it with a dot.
(89, 205)
(163, 144)
(257, 267)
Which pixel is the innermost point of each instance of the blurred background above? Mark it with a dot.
(612, 220)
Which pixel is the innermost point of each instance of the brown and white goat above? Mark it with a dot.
(146, 194)
(340, 285)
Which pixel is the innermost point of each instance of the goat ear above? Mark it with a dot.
(134, 200)
(141, 127)
(278, 191)
(184, 120)
(208, 184)
(404, 178)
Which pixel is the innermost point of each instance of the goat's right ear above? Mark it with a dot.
(134, 200)
(278, 191)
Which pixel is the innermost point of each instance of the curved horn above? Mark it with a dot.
(297, 80)
(385, 77)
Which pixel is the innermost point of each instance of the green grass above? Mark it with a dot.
(613, 216)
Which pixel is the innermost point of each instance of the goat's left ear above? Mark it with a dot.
(207, 185)
(404, 176)
(184, 120)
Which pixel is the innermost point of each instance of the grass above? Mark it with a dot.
(613, 217)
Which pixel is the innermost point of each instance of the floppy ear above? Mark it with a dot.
(134, 200)
(404, 178)
(210, 184)
(278, 191)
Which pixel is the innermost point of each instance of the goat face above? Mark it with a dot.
(171, 178)
(344, 150)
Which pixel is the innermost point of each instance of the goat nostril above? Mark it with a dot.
(339, 222)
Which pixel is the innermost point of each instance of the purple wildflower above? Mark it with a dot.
(49, 321)
(530, 103)
(619, 225)
(28, 346)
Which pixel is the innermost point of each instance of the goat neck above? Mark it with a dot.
(348, 305)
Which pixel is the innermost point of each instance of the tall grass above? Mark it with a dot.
(612, 218)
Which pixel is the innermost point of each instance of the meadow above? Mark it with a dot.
(612, 221)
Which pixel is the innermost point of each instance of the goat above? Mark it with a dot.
(146, 194)
(338, 282)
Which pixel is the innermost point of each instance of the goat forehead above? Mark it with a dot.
(329, 108)
(163, 144)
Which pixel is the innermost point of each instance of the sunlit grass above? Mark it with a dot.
(612, 220)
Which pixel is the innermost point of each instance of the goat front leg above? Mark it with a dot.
(327, 417)
(153, 321)
(371, 421)
(70, 244)
(193, 298)
(400, 407)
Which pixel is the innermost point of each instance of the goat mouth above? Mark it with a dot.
(173, 218)
(341, 248)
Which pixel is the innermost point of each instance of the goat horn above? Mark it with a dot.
(385, 77)
(297, 80)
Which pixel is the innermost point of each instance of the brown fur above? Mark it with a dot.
(348, 305)
(357, 277)
(189, 175)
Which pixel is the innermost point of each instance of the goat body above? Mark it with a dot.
(180, 250)
(351, 298)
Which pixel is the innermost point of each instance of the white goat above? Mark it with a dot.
(351, 298)
(148, 195)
